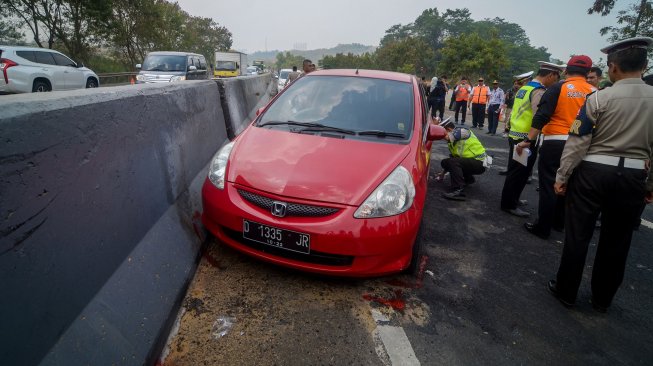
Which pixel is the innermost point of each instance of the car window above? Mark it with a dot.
(62, 60)
(44, 58)
(202, 63)
(351, 103)
(284, 74)
(196, 62)
(27, 55)
(164, 63)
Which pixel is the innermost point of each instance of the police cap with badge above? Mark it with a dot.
(524, 76)
(551, 66)
(447, 123)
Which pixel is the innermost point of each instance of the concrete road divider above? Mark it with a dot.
(98, 189)
(241, 97)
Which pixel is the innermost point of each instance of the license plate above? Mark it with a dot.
(280, 238)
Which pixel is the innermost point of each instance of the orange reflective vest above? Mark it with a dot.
(480, 94)
(462, 94)
(572, 97)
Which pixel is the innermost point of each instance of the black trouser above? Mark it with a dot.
(516, 177)
(618, 194)
(462, 104)
(452, 102)
(478, 114)
(462, 170)
(437, 105)
(551, 207)
(493, 118)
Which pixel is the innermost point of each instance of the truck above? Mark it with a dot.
(229, 64)
(260, 64)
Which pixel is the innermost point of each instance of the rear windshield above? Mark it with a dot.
(352, 103)
(225, 65)
(164, 63)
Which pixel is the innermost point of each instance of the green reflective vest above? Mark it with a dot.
(468, 148)
(522, 111)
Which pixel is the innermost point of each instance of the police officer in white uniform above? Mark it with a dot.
(606, 168)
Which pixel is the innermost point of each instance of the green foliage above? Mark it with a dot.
(348, 61)
(288, 60)
(471, 55)
(9, 33)
(88, 30)
(411, 55)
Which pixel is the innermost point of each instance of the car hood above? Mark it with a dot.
(318, 168)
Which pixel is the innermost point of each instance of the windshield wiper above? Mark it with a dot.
(309, 126)
(155, 69)
(381, 133)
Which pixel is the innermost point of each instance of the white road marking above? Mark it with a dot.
(648, 224)
(395, 343)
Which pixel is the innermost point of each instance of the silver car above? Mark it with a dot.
(169, 66)
(31, 69)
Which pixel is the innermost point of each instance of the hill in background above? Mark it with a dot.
(314, 55)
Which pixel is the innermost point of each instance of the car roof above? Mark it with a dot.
(375, 74)
(174, 53)
(26, 48)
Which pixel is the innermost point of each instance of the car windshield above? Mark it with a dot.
(284, 74)
(252, 69)
(371, 108)
(164, 63)
(225, 65)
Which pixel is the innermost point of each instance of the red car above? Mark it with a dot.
(330, 177)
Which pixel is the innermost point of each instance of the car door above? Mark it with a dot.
(73, 76)
(48, 65)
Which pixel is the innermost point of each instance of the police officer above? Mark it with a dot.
(519, 81)
(605, 168)
(525, 105)
(467, 159)
(555, 114)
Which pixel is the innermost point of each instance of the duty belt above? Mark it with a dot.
(555, 137)
(616, 161)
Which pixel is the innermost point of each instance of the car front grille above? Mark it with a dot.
(314, 257)
(293, 209)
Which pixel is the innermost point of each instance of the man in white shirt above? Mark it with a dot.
(497, 99)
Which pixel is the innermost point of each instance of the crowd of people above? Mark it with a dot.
(593, 143)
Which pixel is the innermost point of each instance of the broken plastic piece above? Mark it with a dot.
(222, 326)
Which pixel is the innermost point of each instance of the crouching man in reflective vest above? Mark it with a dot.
(467, 159)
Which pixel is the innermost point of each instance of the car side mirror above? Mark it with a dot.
(259, 111)
(436, 133)
(192, 68)
(138, 66)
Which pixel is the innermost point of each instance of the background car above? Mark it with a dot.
(252, 70)
(169, 66)
(331, 176)
(30, 69)
(283, 78)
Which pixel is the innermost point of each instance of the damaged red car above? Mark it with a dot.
(330, 177)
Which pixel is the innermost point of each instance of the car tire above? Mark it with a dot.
(418, 252)
(91, 83)
(41, 86)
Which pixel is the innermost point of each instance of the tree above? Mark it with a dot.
(348, 61)
(72, 25)
(9, 33)
(410, 55)
(288, 60)
(471, 55)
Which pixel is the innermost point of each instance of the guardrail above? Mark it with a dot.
(118, 78)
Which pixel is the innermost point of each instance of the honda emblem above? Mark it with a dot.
(279, 209)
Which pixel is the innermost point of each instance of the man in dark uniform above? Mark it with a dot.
(606, 168)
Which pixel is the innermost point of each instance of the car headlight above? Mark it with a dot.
(140, 77)
(178, 78)
(392, 197)
(219, 165)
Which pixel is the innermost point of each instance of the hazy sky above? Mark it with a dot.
(562, 26)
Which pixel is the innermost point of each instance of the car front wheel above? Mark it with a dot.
(41, 86)
(91, 83)
(418, 253)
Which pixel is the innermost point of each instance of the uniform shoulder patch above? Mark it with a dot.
(582, 125)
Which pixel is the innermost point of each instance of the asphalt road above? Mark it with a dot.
(481, 299)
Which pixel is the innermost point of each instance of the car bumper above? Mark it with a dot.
(340, 245)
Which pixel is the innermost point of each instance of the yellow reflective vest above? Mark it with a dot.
(522, 111)
(469, 147)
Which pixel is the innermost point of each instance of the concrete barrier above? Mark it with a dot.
(241, 97)
(97, 194)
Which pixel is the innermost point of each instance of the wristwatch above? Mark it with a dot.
(527, 140)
